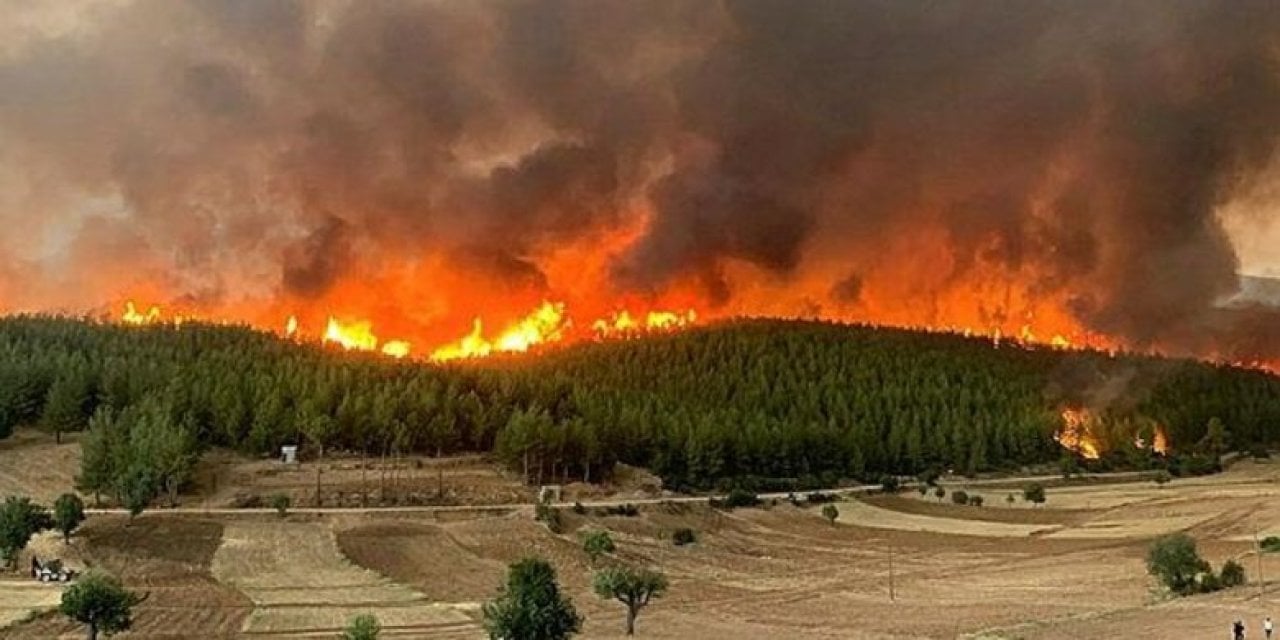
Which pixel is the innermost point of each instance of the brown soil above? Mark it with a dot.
(167, 558)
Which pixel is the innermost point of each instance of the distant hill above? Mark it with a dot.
(763, 402)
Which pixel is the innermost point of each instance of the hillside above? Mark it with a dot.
(768, 403)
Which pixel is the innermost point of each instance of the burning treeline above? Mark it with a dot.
(1049, 171)
(1090, 435)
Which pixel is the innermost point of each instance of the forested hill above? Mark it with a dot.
(770, 402)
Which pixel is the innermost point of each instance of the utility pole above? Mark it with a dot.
(1257, 546)
(318, 499)
(891, 593)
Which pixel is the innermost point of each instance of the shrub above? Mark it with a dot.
(960, 497)
(627, 510)
(975, 501)
(1259, 452)
(830, 512)
(683, 536)
(1270, 544)
(362, 627)
(597, 543)
(280, 502)
(818, 497)
(549, 516)
(579, 509)
(1173, 559)
(889, 483)
(1034, 493)
(736, 499)
(1232, 574)
(940, 493)
(1162, 478)
(1010, 499)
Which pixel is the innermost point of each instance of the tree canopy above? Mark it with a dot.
(98, 601)
(761, 404)
(530, 605)
(634, 588)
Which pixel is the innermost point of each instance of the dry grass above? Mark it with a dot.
(32, 465)
(300, 582)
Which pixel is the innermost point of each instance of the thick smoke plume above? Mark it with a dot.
(1053, 165)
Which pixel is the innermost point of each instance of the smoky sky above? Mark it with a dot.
(1083, 147)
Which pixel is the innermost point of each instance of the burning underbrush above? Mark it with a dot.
(1091, 435)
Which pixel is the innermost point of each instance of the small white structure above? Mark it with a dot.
(289, 454)
(549, 493)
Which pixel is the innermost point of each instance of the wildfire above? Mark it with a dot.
(1076, 433)
(291, 327)
(472, 345)
(132, 316)
(548, 323)
(358, 336)
(622, 323)
(396, 348)
(1159, 441)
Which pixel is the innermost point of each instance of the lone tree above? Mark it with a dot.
(530, 606)
(68, 513)
(631, 587)
(1173, 559)
(1034, 493)
(362, 627)
(20, 518)
(830, 512)
(99, 601)
(596, 544)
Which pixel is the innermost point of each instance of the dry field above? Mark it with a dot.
(1072, 568)
(31, 464)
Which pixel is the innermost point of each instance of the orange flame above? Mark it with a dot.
(396, 348)
(623, 324)
(291, 327)
(132, 316)
(1076, 434)
(545, 324)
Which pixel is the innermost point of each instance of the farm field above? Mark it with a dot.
(1071, 568)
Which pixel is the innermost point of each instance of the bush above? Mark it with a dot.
(736, 499)
(818, 497)
(579, 509)
(889, 483)
(597, 543)
(1010, 499)
(1174, 560)
(1162, 478)
(1232, 574)
(280, 502)
(549, 516)
(1034, 493)
(830, 512)
(362, 627)
(975, 501)
(1259, 452)
(940, 493)
(683, 536)
(627, 510)
(1271, 544)
(960, 497)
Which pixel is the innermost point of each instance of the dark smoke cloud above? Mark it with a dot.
(1079, 147)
